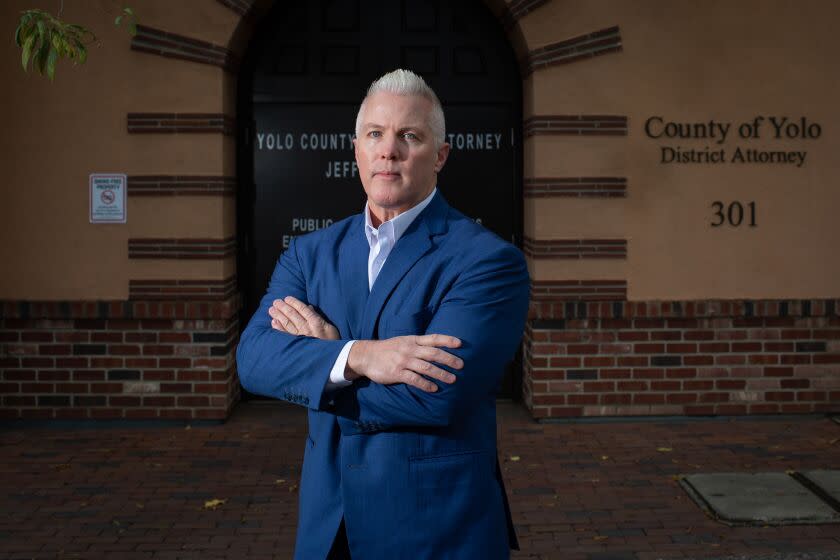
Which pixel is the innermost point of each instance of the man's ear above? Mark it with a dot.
(442, 155)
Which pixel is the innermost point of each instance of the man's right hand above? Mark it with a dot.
(404, 359)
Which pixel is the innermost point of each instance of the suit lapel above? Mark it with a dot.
(352, 270)
(413, 244)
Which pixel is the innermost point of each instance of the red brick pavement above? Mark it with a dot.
(601, 491)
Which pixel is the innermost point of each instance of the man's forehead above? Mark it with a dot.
(412, 110)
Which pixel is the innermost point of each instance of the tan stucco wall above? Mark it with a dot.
(684, 61)
(687, 62)
(56, 134)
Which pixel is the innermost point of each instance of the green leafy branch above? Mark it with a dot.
(45, 39)
(130, 21)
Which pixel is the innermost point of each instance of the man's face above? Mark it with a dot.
(395, 152)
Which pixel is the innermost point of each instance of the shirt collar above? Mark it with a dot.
(399, 223)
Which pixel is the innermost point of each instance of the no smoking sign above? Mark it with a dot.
(107, 198)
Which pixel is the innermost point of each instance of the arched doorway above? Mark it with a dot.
(302, 78)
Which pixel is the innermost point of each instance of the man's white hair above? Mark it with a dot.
(406, 82)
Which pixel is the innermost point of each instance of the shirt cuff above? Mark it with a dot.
(337, 379)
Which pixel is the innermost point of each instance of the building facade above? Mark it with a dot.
(667, 169)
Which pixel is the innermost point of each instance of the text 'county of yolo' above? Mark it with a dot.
(341, 141)
(757, 130)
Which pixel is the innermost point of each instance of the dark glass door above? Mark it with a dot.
(301, 83)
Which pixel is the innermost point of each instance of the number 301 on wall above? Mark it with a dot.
(733, 214)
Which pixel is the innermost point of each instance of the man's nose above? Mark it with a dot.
(388, 148)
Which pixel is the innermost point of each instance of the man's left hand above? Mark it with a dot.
(290, 315)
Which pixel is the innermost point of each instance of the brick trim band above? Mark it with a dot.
(172, 45)
(541, 187)
(87, 313)
(163, 123)
(583, 125)
(180, 289)
(565, 290)
(148, 248)
(575, 248)
(180, 185)
(518, 9)
(597, 43)
(659, 314)
(241, 7)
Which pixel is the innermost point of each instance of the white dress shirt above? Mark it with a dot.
(381, 242)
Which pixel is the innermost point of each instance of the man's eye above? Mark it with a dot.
(409, 136)
(374, 134)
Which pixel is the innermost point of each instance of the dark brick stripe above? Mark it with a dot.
(180, 185)
(540, 187)
(663, 313)
(575, 248)
(571, 290)
(172, 45)
(147, 248)
(92, 314)
(179, 289)
(518, 9)
(584, 125)
(593, 44)
(163, 123)
(241, 7)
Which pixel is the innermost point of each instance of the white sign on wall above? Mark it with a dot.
(107, 198)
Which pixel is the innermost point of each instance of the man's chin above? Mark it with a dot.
(386, 196)
(385, 186)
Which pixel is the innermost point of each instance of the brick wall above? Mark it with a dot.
(681, 358)
(175, 359)
(105, 360)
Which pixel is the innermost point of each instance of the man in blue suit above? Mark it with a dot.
(393, 327)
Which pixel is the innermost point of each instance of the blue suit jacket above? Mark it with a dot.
(414, 474)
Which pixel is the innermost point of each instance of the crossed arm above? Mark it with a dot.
(402, 359)
(411, 381)
(296, 367)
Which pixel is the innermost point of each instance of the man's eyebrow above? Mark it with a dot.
(415, 127)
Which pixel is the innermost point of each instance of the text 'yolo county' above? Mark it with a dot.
(771, 128)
